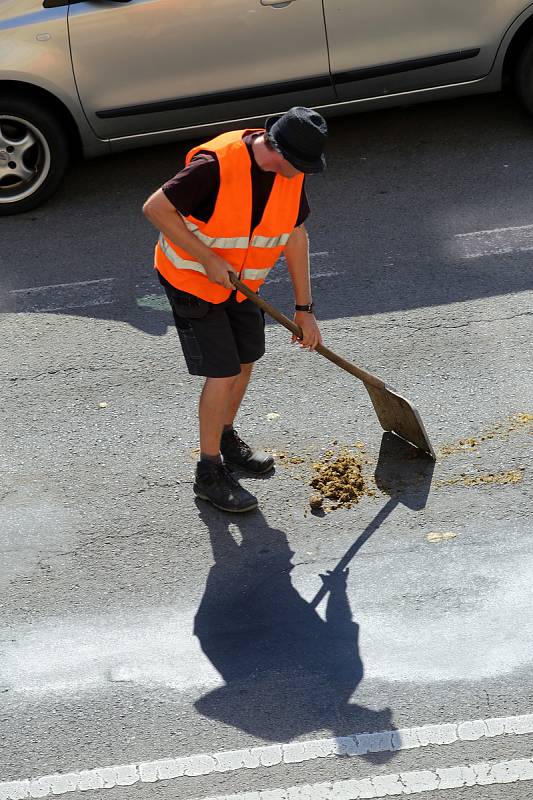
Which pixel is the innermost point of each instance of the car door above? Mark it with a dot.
(380, 47)
(155, 65)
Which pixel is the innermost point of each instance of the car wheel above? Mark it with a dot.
(34, 154)
(524, 77)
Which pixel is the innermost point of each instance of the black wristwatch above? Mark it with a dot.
(309, 308)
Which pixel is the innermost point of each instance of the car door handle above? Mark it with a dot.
(276, 3)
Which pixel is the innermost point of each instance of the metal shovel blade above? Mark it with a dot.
(398, 415)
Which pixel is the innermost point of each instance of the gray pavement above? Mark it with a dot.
(139, 624)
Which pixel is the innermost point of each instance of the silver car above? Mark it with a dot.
(97, 76)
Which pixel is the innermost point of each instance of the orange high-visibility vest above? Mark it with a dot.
(227, 233)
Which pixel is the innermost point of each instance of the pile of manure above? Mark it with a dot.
(340, 480)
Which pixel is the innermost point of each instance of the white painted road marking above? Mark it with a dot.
(64, 295)
(271, 756)
(496, 241)
(159, 302)
(72, 654)
(286, 278)
(392, 785)
(99, 292)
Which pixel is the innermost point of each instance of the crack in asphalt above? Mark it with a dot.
(440, 325)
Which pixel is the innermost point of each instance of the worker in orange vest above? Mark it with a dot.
(238, 204)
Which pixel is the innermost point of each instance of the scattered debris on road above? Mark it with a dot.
(316, 501)
(515, 422)
(510, 476)
(440, 536)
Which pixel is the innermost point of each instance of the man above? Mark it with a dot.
(238, 204)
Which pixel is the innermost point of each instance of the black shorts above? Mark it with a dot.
(216, 338)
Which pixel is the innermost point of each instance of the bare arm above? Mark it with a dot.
(297, 257)
(162, 214)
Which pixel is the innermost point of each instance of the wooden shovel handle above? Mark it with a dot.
(341, 362)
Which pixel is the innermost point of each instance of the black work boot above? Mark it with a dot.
(215, 483)
(238, 454)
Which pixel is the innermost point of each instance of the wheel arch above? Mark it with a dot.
(22, 90)
(515, 48)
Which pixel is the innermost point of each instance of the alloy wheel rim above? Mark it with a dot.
(24, 158)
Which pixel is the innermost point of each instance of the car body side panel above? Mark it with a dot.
(413, 44)
(158, 64)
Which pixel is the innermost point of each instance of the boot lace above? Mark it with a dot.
(241, 446)
(226, 474)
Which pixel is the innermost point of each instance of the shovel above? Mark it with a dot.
(395, 413)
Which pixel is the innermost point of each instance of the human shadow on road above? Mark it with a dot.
(287, 671)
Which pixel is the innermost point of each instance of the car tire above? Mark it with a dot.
(34, 154)
(523, 77)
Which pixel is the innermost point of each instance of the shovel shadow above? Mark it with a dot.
(404, 473)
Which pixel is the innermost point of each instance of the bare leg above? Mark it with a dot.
(215, 402)
(237, 392)
(236, 452)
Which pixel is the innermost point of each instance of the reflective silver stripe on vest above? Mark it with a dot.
(254, 274)
(176, 260)
(222, 242)
(270, 241)
(183, 263)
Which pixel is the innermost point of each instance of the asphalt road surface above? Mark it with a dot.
(153, 648)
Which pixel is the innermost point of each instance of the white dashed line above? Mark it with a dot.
(64, 295)
(82, 294)
(159, 302)
(495, 242)
(392, 785)
(286, 278)
(291, 753)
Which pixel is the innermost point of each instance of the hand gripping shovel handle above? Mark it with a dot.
(362, 374)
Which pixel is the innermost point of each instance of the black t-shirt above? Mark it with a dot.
(194, 190)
